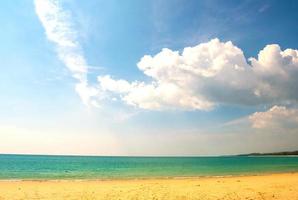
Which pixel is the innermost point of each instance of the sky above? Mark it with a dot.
(148, 78)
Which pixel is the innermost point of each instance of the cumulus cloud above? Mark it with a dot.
(210, 74)
(277, 73)
(277, 117)
(197, 78)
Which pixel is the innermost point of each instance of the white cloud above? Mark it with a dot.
(277, 73)
(199, 77)
(59, 29)
(109, 84)
(210, 74)
(277, 117)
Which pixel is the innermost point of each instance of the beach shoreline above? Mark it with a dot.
(259, 187)
(152, 178)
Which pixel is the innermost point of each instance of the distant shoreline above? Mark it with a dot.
(283, 153)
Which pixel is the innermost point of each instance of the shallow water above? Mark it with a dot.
(97, 167)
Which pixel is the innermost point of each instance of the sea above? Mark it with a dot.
(44, 167)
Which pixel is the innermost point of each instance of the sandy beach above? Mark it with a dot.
(261, 187)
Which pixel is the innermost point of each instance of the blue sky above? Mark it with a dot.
(41, 111)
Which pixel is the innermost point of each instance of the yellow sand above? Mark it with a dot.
(276, 186)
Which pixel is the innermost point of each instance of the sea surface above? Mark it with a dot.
(19, 167)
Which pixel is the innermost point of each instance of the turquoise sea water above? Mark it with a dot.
(88, 167)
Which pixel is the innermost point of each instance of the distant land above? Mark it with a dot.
(283, 153)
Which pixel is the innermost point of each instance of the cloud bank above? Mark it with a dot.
(197, 78)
